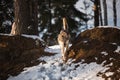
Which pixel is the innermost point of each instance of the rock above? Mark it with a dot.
(94, 41)
(91, 44)
(17, 52)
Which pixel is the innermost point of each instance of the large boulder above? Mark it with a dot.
(17, 52)
(98, 45)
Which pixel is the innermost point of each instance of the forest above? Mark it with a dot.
(44, 17)
(29, 40)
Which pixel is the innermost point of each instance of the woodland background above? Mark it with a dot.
(44, 17)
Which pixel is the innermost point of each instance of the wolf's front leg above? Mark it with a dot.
(62, 49)
(63, 53)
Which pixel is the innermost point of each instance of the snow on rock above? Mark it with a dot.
(109, 27)
(24, 35)
(105, 53)
(118, 49)
(37, 38)
(5, 34)
(32, 36)
(55, 69)
(113, 43)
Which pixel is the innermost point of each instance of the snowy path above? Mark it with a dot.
(55, 69)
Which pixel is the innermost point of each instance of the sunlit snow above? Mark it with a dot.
(118, 49)
(55, 69)
(104, 53)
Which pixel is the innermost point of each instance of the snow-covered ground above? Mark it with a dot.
(55, 69)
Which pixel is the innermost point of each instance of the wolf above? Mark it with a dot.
(64, 39)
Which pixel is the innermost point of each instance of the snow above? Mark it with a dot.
(7, 22)
(55, 69)
(118, 49)
(109, 27)
(114, 43)
(42, 33)
(81, 7)
(109, 74)
(104, 53)
(5, 34)
(110, 11)
(85, 41)
(32, 36)
(28, 36)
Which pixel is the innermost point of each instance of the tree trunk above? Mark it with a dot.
(114, 13)
(100, 13)
(0, 21)
(50, 16)
(105, 12)
(96, 13)
(34, 18)
(26, 17)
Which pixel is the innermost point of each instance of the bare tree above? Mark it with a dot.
(105, 12)
(114, 13)
(25, 17)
